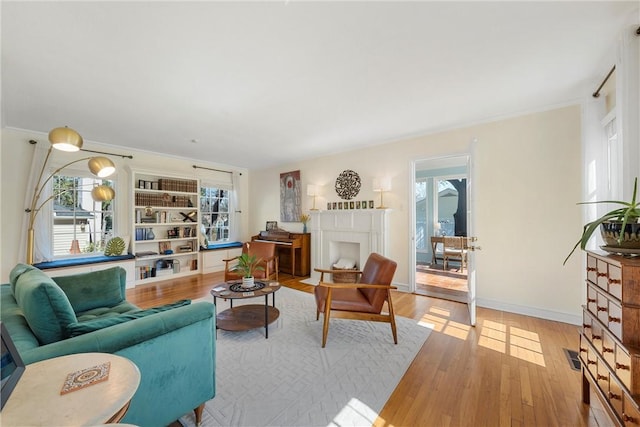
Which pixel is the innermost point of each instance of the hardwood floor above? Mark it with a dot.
(509, 370)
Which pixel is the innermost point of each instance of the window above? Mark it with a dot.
(214, 211)
(80, 224)
(614, 159)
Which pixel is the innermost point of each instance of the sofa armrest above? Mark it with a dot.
(115, 338)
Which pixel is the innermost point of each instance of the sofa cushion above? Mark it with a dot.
(83, 327)
(16, 272)
(44, 305)
(103, 288)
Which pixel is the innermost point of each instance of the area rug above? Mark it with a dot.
(289, 380)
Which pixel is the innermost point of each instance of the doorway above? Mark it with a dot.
(440, 212)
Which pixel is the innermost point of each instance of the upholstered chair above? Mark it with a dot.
(265, 251)
(363, 300)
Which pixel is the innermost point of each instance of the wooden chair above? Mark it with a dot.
(363, 300)
(456, 249)
(262, 250)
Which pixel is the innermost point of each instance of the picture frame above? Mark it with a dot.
(339, 205)
(290, 196)
(334, 205)
(357, 204)
(12, 367)
(271, 225)
(370, 204)
(352, 205)
(328, 206)
(364, 204)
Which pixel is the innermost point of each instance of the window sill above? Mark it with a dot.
(225, 245)
(81, 261)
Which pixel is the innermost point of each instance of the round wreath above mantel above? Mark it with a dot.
(348, 184)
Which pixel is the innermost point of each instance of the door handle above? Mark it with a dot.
(474, 248)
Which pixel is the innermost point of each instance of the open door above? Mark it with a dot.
(471, 227)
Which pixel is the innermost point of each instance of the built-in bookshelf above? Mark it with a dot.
(165, 226)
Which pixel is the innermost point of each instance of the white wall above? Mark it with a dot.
(528, 184)
(16, 162)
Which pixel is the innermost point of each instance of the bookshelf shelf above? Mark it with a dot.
(165, 217)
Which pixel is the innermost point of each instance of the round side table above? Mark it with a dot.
(36, 400)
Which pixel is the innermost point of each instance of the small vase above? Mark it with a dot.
(248, 282)
(150, 235)
(304, 228)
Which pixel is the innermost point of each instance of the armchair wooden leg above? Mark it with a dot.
(198, 412)
(327, 311)
(392, 318)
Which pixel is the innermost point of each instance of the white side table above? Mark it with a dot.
(36, 400)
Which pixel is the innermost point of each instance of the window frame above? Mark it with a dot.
(205, 189)
(86, 182)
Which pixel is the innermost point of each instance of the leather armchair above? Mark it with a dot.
(262, 250)
(363, 300)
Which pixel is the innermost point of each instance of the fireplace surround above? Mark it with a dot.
(347, 235)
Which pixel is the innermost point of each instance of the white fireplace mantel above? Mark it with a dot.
(366, 230)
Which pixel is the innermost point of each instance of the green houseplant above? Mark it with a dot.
(247, 265)
(619, 227)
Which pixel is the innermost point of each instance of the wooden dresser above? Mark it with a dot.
(610, 338)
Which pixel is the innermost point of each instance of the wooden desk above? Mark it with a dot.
(36, 400)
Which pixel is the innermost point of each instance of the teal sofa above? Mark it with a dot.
(173, 346)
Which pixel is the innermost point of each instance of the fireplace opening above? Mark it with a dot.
(346, 251)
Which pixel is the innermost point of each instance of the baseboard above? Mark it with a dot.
(530, 311)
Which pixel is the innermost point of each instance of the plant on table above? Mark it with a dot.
(619, 219)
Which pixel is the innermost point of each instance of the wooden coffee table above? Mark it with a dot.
(247, 316)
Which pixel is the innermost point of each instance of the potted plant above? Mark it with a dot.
(246, 265)
(619, 228)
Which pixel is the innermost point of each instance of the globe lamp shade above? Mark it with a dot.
(102, 193)
(65, 139)
(101, 166)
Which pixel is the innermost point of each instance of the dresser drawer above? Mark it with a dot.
(615, 395)
(616, 276)
(631, 414)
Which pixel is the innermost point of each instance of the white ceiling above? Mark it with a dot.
(267, 83)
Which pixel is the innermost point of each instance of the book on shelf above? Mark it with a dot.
(164, 246)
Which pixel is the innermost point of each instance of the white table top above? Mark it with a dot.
(36, 400)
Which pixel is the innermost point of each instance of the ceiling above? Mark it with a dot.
(259, 84)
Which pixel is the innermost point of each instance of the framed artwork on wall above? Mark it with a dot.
(290, 196)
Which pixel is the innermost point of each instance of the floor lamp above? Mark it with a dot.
(66, 139)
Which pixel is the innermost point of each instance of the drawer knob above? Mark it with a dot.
(621, 366)
(601, 308)
(614, 281)
(627, 419)
(591, 362)
(601, 274)
(613, 396)
(592, 269)
(596, 337)
(590, 300)
(607, 349)
(602, 377)
(583, 350)
(614, 319)
(586, 326)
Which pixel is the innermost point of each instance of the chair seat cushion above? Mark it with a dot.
(344, 299)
